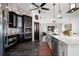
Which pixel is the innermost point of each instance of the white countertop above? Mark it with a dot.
(70, 40)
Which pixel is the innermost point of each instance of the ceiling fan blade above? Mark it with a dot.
(42, 4)
(35, 5)
(45, 8)
(33, 9)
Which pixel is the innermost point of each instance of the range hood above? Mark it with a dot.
(72, 8)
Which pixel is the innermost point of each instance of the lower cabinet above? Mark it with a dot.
(55, 46)
(62, 49)
(10, 40)
(20, 38)
(59, 48)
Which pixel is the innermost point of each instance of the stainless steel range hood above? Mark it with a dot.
(72, 8)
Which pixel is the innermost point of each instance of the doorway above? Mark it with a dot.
(36, 30)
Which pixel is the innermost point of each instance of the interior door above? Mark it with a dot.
(36, 31)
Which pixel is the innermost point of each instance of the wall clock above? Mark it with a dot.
(36, 17)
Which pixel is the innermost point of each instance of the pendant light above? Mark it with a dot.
(54, 13)
(72, 7)
(59, 12)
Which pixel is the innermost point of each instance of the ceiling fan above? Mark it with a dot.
(39, 7)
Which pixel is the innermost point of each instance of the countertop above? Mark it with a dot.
(70, 40)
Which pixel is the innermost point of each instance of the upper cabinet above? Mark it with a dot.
(19, 21)
(27, 21)
(12, 19)
(15, 20)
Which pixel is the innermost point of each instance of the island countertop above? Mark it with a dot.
(70, 40)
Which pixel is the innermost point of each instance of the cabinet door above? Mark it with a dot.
(19, 21)
(62, 49)
(55, 46)
(12, 39)
(12, 19)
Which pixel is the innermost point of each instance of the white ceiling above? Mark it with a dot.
(28, 6)
(63, 6)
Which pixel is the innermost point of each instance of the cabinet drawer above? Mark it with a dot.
(12, 19)
(11, 39)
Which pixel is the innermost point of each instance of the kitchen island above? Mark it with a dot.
(63, 45)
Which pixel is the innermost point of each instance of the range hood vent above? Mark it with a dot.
(72, 8)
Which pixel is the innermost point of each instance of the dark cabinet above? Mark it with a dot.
(36, 31)
(10, 40)
(12, 19)
(27, 25)
(19, 21)
(20, 26)
(55, 46)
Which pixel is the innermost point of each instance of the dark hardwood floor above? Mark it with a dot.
(44, 49)
(30, 49)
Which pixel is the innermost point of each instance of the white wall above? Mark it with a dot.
(67, 19)
(72, 18)
(34, 20)
(47, 17)
(75, 25)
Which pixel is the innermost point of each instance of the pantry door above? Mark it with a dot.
(36, 31)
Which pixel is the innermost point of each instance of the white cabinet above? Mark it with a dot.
(73, 50)
(64, 45)
(62, 49)
(68, 50)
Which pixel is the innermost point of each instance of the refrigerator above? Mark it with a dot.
(2, 36)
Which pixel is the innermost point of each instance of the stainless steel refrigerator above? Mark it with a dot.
(1, 32)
